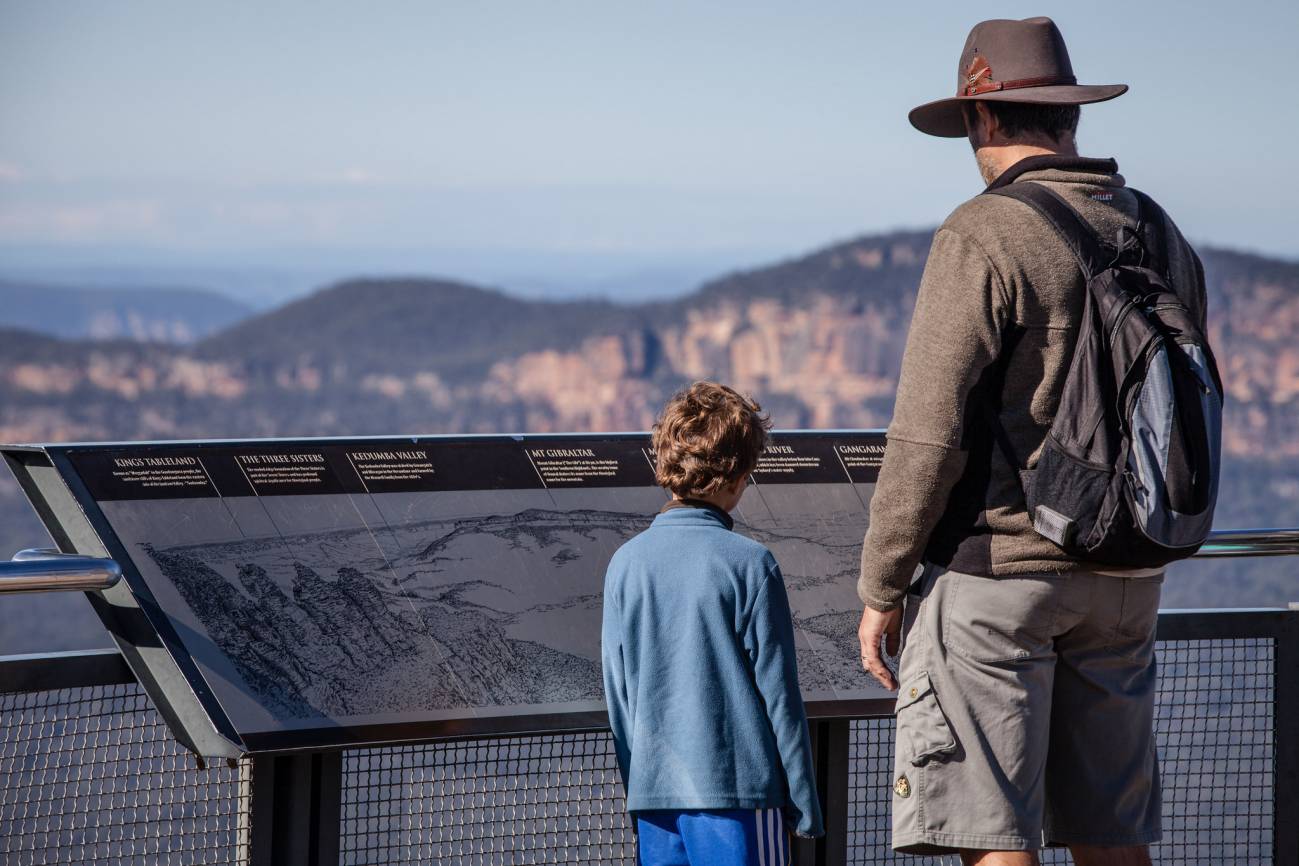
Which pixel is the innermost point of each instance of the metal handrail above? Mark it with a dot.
(47, 570)
(1251, 542)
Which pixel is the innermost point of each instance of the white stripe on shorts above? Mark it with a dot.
(770, 838)
(769, 830)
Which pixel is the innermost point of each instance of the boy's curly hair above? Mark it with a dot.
(707, 437)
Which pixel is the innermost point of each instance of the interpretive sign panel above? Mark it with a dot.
(337, 591)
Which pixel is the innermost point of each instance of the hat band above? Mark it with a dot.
(988, 86)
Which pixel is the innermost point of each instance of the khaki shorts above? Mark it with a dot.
(1025, 713)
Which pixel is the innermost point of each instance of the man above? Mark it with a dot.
(1027, 678)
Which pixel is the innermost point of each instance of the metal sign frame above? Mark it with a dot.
(160, 661)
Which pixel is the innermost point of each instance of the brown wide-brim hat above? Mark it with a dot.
(1010, 61)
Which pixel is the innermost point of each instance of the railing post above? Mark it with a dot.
(294, 810)
(830, 743)
(1285, 791)
(834, 759)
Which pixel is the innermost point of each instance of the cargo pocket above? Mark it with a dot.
(923, 731)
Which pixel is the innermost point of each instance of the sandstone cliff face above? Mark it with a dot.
(1254, 327)
(829, 363)
(832, 359)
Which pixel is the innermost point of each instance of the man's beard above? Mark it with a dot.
(986, 167)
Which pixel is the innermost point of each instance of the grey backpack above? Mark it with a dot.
(1128, 475)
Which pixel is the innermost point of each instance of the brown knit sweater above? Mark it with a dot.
(998, 310)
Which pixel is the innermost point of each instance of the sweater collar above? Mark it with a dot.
(698, 505)
(1058, 162)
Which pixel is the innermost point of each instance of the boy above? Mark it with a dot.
(698, 648)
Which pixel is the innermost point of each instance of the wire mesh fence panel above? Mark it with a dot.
(1214, 726)
(519, 800)
(92, 775)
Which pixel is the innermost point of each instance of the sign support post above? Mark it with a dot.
(292, 818)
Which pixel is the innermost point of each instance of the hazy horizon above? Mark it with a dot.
(571, 148)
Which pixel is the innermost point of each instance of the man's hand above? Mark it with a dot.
(874, 626)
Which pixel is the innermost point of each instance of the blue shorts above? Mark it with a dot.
(728, 837)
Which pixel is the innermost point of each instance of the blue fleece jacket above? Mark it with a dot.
(700, 674)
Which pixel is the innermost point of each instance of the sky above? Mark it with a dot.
(580, 138)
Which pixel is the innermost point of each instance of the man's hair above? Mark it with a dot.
(1027, 118)
(707, 437)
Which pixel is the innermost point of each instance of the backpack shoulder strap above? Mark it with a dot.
(1072, 229)
(1153, 228)
(1081, 240)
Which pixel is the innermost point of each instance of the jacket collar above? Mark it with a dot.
(698, 506)
(1054, 161)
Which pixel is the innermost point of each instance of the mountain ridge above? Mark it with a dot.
(818, 337)
(445, 319)
(326, 314)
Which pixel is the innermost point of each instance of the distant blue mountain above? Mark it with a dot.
(152, 314)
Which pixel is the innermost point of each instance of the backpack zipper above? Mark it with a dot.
(1123, 315)
(1128, 397)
